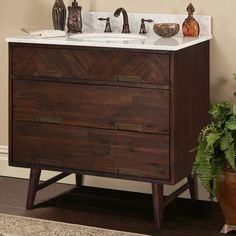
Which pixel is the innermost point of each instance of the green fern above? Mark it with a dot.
(230, 156)
(216, 146)
(216, 177)
(226, 140)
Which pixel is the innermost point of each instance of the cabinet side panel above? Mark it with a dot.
(189, 105)
(10, 116)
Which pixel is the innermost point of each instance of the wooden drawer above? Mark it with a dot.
(92, 64)
(108, 107)
(115, 152)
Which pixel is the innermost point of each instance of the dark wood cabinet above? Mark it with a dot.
(120, 113)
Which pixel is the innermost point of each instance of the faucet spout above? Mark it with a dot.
(125, 19)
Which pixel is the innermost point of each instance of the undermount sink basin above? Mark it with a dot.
(107, 37)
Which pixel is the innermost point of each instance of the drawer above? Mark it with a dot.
(103, 151)
(107, 107)
(92, 64)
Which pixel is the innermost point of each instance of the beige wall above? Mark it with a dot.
(15, 14)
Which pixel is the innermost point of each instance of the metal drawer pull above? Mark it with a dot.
(127, 171)
(57, 74)
(128, 78)
(47, 162)
(45, 119)
(128, 127)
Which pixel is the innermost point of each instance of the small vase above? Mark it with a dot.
(190, 26)
(59, 15)
(74, 23)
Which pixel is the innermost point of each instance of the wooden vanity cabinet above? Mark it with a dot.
(120, 113)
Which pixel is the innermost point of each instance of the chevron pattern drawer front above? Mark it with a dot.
(91, 64)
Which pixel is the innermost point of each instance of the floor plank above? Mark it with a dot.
(111, 209)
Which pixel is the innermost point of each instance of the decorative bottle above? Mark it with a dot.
(74, 23)
(59, 15)
(190, 26)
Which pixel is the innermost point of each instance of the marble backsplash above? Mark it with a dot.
(92, 24)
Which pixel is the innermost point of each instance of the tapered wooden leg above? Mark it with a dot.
(33, 186)
(192, 187)
(78, 180)
(158, 204)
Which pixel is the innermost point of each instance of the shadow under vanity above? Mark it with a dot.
(121, 110)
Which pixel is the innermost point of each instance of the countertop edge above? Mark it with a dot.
(65, 42)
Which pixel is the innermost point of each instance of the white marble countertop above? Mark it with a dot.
(149, 42)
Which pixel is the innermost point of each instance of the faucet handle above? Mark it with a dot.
(142, 27)
(108, 24)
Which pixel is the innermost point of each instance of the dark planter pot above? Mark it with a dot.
(226, 196)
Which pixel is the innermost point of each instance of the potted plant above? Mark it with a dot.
(216, 159)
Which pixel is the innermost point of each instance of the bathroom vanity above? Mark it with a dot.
(121, 110)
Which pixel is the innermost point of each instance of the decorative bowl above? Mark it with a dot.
(166, 30)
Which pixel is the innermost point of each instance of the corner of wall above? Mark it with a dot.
(7, 171)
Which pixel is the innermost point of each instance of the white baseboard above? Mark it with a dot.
(134, 186)
(3, 149)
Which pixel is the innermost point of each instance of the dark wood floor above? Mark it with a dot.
(111, 209)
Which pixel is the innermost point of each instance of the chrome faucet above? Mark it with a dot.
(125, 19)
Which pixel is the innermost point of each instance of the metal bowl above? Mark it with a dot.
(166, 30)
